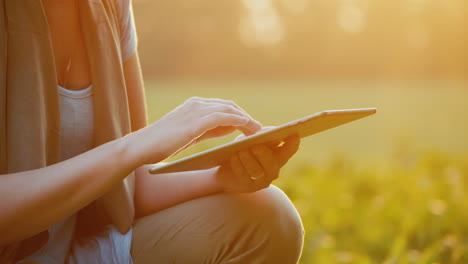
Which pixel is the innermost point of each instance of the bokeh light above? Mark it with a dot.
(261, 25)
(392, 188)
(351, 18)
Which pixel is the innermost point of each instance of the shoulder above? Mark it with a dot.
(120, 7)
(123, 6)
(122, 10)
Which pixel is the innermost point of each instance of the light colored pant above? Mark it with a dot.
(227, 228)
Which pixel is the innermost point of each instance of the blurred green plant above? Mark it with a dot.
(399, 215)
(390, 189)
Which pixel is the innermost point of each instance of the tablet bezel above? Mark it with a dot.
(303, 127)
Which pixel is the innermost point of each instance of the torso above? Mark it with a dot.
(77, 121)
(67, 41)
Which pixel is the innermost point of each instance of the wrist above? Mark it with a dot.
(216, 184)
(140, 148)
(132, 149)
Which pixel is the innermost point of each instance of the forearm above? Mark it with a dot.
(31, 201)
(154, 192)
(249, 170)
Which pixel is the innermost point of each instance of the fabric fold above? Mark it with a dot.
(29, 101)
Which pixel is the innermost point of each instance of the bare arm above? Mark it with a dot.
(31, 201)
(156, 192)
(136, 92)
(159, 191)
(118, 203)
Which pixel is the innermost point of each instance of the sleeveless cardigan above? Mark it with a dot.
(29, 101)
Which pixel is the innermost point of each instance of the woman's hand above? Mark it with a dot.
(255, 168)
(195, 120)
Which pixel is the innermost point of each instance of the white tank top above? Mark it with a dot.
(76, 137)
(77, 121)
(77, 129)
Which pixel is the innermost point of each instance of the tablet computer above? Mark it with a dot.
(303, 127)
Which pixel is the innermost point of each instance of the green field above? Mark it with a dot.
(391, 188)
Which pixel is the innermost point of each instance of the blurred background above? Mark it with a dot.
(391, 188)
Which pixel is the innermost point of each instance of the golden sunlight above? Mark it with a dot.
(418, 36)
(351, 18)
(261, 25)
(295, 7)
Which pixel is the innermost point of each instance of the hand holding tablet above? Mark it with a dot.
(303, 127)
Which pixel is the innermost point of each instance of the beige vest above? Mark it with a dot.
(29, 101)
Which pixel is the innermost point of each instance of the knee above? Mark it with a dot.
(260, 227)
(280, 222)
